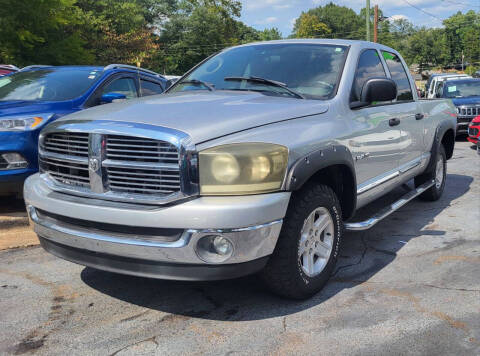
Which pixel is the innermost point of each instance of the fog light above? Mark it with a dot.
(13, 161)
(214, 248)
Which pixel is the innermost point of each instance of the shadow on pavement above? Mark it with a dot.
(363, 255)
(12, 205)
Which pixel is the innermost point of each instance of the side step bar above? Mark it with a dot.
(382, 214)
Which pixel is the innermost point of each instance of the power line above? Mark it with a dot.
(422, 10)
(461, 3)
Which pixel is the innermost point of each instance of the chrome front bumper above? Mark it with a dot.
(251, 223)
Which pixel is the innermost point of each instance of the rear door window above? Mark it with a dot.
(369, 66)
(397, 71)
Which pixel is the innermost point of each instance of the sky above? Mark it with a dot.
(282, 14)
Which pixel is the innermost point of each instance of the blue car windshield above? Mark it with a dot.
(48, 84)
(462, 89)
(312, 70)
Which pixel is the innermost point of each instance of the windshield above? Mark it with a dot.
(462, 89)
(310, 70)
(48, 84)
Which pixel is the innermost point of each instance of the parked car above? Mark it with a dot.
(37, 95)
(7, 69)
(255, 160)
(474, 130)
(439, 79)
(465, 94)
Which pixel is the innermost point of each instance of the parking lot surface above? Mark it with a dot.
(409, 285)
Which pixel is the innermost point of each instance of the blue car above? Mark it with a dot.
(34, 97)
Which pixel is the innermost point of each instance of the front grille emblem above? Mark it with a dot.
(93, 164)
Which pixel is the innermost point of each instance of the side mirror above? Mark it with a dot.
(170, 82)
(111, 97)
(376, 89)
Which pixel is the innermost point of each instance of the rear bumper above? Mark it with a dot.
(159, 242)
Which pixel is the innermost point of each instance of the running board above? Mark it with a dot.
(382, 214)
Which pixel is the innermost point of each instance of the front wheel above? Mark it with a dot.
(308, 245)
(438, 174)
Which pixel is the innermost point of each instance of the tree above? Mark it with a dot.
(42, 32)
(309, 26)
(270, 34)
(342, 21)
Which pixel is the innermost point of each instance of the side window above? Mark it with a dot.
(122, 86)
(439, 92)
(149, 88)
(394, 64)
(369, 66)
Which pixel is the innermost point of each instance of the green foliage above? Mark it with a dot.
(44, 31)
(342, 21)
(310, 26)
(171, 36)
(470, 70)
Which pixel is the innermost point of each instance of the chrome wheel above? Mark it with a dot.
(439, 172)
(316, 242)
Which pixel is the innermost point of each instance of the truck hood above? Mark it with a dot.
(470, 100)
(24, 107)
(204, 115)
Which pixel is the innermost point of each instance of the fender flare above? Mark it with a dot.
(307, 166)
(440, 131)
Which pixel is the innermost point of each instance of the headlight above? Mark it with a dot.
(242, 168)
(23, 123)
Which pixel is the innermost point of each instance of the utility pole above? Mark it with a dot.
(367, 19)
(375, 25)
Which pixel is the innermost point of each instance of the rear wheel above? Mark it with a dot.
(308, 245)
(438, 174)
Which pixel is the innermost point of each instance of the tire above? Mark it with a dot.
(286, 271)
(438, 173)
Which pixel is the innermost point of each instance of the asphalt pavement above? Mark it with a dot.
(410, 285)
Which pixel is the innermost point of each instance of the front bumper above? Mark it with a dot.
(156, 242)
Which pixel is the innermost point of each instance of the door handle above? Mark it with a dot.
(394, 122)
(419, 116)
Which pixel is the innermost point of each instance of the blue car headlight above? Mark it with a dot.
(23, 123)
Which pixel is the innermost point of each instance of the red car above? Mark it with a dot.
(474, 130)
(7, 69)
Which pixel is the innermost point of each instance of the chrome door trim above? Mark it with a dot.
(362, 188)
(414, 163)
(373, 183)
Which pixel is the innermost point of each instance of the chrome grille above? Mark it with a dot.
(66, 172)
(111, 165)
(72, 144)
(141, 165)
(142, 181)
(134, 149)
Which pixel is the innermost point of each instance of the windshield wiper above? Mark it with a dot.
(266, 82)
(198, 82)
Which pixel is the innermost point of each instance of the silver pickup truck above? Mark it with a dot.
(255, 161)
